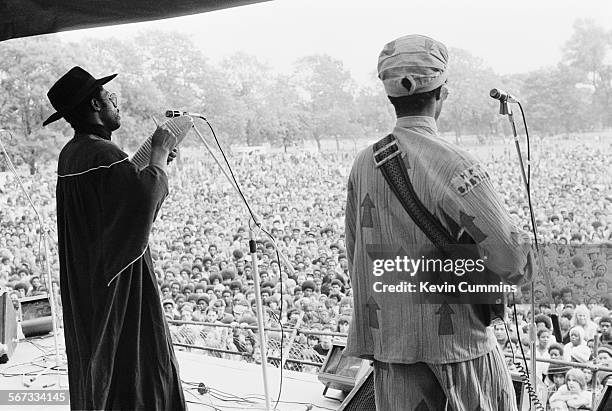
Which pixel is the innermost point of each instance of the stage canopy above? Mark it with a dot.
(23, 18)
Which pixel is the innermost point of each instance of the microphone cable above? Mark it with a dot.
(234, 177)
(524, 371)
(530, 203)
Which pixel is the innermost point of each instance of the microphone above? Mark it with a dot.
(501, 95)
(177, 113)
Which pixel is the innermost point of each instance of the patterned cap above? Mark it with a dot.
(412, 64)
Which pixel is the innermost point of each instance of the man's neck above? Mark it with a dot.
(93, 128)
(428, 111)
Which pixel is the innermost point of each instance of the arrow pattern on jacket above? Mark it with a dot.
(366, 215)
(422, 406)
(373, 309)
(467, 222)
(445, 327)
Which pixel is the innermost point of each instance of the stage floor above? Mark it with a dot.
(233, 378)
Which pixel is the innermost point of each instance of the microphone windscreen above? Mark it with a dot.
(495, 93)
(173, 113)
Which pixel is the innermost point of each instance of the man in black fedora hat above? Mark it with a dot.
(119, 350)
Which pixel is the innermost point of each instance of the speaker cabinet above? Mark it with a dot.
(8, 324)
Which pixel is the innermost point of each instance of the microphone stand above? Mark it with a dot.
(505, 110)
(260, 324)
(253, 251)
(44, 231)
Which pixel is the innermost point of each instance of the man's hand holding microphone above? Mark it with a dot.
(163, 149)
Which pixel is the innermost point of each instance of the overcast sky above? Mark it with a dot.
(511, 36)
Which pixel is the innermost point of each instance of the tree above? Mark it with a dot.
(328, 89)
(289, 122)
(157, 71)
(27, 68)
(140, 98)
(554, 102)
(589, 50)
(468, 108)
(249, 81)
(375, 112)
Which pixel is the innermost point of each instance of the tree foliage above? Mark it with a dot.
(468, 109)
(248, 103)
(589, 50)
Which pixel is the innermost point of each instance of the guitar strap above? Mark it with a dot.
(388, 158)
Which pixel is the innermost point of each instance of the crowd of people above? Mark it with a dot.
(565, 332)
(199, 243)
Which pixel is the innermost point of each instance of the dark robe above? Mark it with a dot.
(120, 355)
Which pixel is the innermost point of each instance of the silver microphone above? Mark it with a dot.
(501, 95)
(178, 113)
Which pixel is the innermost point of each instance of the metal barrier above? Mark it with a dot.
(242, 343)
(593, 367)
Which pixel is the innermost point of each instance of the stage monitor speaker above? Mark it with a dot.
(8, 324)
(339, 371)
(604, 402)
(361, 398)
(36, 315)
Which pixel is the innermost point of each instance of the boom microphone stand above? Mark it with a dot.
(532, 325)
(504, 99)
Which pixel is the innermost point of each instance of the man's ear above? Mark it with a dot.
(95, 104)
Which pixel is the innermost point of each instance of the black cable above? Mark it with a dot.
(246, 398)
(528, 146)
(528, 182)
(230, 398)
(232, 173)
(218, 394)
(203, 403)
(523, 370)
(200, 401)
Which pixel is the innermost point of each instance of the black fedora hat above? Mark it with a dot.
(72, 88)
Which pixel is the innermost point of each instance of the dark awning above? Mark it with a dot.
(22, 18)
